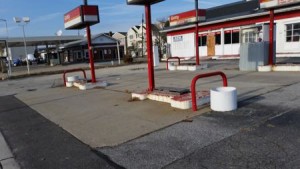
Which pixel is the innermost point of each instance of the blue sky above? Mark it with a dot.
(47, 15)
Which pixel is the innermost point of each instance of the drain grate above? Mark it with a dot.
(171, 90)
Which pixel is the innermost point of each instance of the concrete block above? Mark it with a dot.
(192, 68)
(139, 96)
(160, 98)
(182, 67)
(171, 67)
(69, 84)
(286, 68)
(266, 68)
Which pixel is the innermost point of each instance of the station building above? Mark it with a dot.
(105, 48)
(64, 49)
(222, 29)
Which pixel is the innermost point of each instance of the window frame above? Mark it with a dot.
(290, 31)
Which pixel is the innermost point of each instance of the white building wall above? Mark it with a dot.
(203, 51)
(282, 47)
(185, 48)
(182, 45)
(131, 37)
(122, 40)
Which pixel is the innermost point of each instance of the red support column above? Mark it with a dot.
(197, 34)
(271, 37)
(88, 32)
(149, 47)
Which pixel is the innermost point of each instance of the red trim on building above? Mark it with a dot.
(188, 14)
(235, 23)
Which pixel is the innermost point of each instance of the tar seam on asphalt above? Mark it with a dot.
(107, 159)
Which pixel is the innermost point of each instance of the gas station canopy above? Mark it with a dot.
(276, 3)
(142, 2)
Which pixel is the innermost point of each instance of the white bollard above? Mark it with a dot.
(223, 99)
(72, 78)
(155, 56)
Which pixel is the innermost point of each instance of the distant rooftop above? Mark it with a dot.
(40, 40)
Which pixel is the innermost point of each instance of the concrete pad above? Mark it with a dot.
(5, 152)
(100, 117)
(6, 157)
(10, 164)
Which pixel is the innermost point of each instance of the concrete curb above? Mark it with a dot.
(7, 160)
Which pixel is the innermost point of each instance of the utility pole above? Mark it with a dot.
(7, 51)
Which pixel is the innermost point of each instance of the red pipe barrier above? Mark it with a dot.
(193, 85)
(73, 70)
(197, 34)
(271, 37)
(91, 55)
(178, 58)
(149, 47)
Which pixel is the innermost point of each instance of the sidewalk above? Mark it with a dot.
(7, 160)
(21, 71)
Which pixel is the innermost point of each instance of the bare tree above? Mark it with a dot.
(161, 38)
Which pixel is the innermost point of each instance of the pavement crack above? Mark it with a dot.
(6, 158)
(107, 159)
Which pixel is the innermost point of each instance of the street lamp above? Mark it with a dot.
(25, 21)
(9, 59)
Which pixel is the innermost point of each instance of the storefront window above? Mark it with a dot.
(293, 32)
(232, 36)
(249, 37)
(235, 37)
(202, 40)
(218, 38)
(227, 37)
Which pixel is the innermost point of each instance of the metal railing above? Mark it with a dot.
(193, 85)
(73, 70)
(178, 58)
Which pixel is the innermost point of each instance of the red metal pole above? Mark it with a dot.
(88, 32)
(271, 38)
(197, 35)
(178, 58)
(149, 47)
(193, 85)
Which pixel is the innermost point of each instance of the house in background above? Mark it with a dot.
(105, 48)
(137, 39)
(122, 37)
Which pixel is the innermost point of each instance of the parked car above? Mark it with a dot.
(17, 62)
